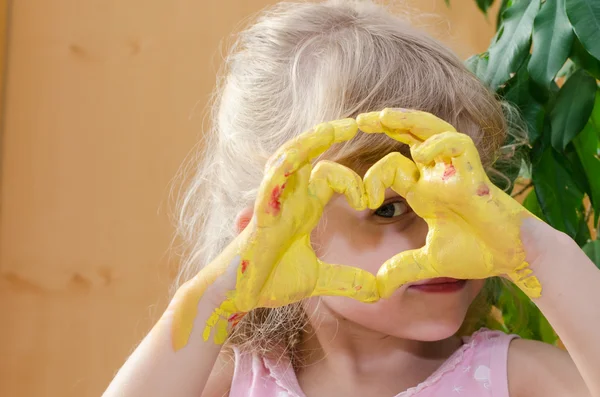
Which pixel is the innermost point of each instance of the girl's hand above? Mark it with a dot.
(277, 265)
(474, 227)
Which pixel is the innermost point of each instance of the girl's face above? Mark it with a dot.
(366, 239)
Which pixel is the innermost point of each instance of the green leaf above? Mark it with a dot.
(447, 3)
(508, 167)
(503, 6)
(587, 147)
(559, 196)
(572, 108)
(510, 303)
(585, 18)
(517, 93)
(584, 60)
(525, 171)
(570, 161)
(545, 331)
(511, 44)
(521, 316)
(552, 40)
(478, 64)
(592, 250)
(595, 116)
(543, 142)
(484, 5)
(532, 204)
(554, 89)
(583, 235)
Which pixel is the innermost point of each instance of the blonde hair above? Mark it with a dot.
(304, 63)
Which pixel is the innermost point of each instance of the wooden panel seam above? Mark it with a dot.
(5, 7)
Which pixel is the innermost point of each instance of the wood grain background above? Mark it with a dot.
(103, 99)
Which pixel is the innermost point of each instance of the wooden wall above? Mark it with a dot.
(103, 100)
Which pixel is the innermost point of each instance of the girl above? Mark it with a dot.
(362, 295)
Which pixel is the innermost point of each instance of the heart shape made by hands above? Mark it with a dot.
(474, 227)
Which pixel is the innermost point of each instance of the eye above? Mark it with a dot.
(392, 209)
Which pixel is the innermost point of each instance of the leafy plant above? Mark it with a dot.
(545, 60)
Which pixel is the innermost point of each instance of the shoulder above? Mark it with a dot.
(219, 382)
(538, 369)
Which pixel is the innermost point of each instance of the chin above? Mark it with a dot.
(389, 318)
(427, 325)
(418, 317)
(430, 331)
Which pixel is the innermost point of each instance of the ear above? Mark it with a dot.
(243, 219)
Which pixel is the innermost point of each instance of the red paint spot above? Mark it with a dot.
(342, 289)
(275, 195)
(245, 264)
(235, 316)
(358, 287)
(286, 174)
(448, 172)
(483, 190)
(234, 319)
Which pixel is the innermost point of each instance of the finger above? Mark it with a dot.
(450, 148)
(310, 144)
(395, 171)
(291, 157)
(404, 125)
(406, 267)
(524, 279)
(352, 282)
(452, 155)
(218, 324)
(328, 178)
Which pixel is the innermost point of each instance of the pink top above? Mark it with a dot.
(477, 368)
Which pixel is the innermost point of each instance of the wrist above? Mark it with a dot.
(201, 305)
(542, 243)
(213, 283)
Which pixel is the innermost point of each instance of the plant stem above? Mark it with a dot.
(588, 214)
(530, 184)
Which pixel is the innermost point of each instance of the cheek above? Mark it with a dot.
(408, 314)
(344, 237)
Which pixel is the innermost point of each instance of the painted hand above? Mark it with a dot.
(474, 227)
(277, 265)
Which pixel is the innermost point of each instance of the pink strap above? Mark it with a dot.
(499, 364)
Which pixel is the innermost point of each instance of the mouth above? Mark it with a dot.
(439, 285)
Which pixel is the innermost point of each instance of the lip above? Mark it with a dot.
(439, 285)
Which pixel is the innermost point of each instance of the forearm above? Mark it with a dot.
(176, 357)
(570, 294)
(156, 369)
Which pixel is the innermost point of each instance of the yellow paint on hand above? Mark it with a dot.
(277, 263)
(474, 227)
